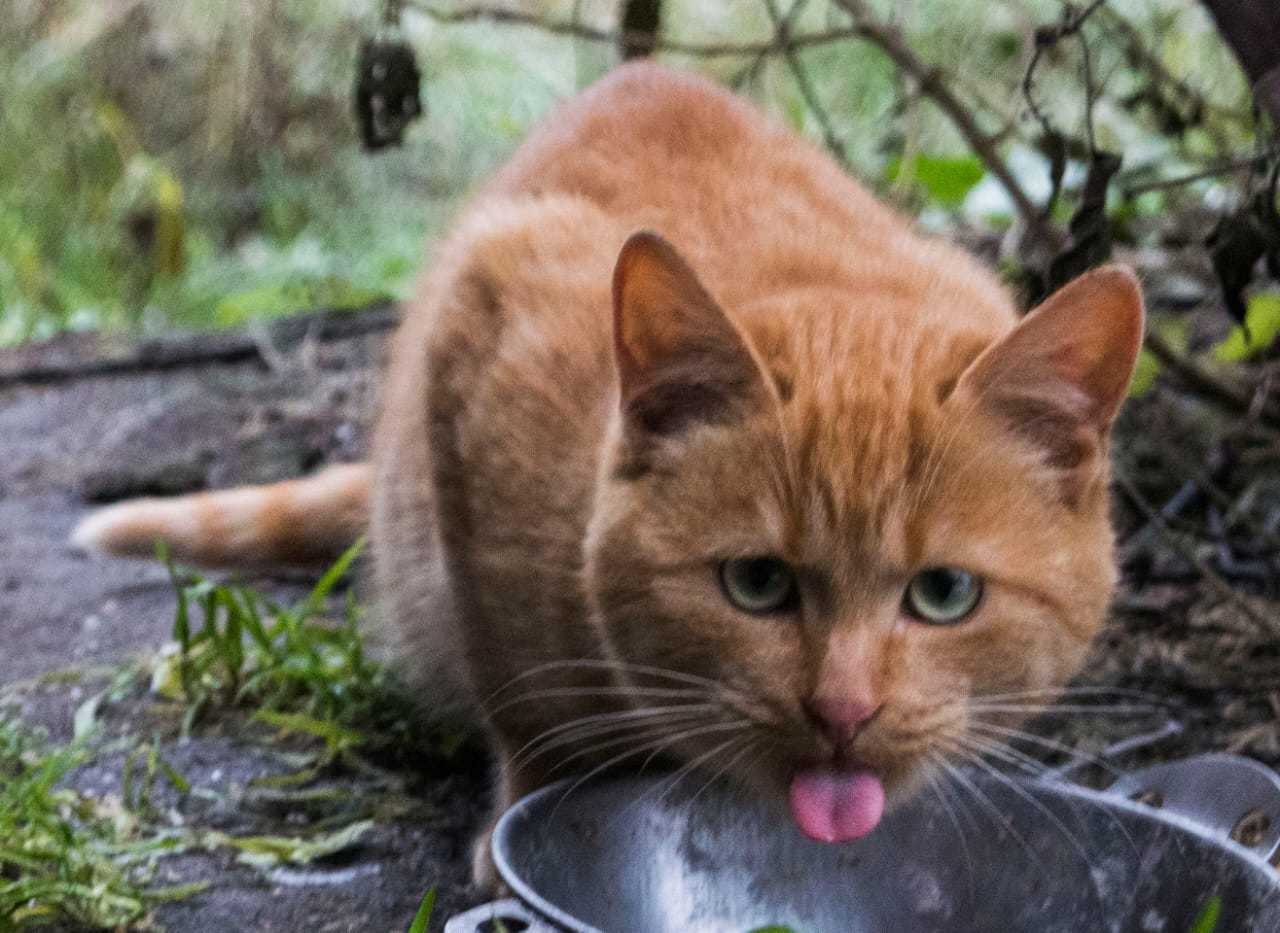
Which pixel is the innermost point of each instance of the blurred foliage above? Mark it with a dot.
(195, 162)
(946, 180)
(1259, 331)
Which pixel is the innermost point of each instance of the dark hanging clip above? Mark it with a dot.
(388, 86)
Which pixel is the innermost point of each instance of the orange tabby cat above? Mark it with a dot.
(781, 489)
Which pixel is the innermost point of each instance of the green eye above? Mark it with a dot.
(758, 584)
(942, 595)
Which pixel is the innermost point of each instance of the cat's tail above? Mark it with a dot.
(298, 522)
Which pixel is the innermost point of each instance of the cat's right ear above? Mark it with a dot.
(680, 360)
(1060, 376)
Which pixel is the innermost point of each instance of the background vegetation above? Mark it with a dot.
(188, 163)
(179, 162)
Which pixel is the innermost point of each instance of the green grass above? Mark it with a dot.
(300, 670)
(236, 648)
(423, 917)
(1207, 920)
(66, 858)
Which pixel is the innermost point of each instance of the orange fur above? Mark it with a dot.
(297, 522)
(580, 424)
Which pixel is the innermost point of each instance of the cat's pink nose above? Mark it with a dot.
(840, 720)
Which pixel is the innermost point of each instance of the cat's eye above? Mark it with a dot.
(758, 585)
(942, 595)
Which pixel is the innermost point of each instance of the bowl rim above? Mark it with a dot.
(522, 810)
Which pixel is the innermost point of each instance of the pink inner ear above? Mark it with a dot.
(679, 357)
(1073, 355)
(659, 307)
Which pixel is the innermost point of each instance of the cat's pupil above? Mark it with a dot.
(762, 575)
(939, 586)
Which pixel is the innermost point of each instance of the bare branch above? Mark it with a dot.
(782, 31)
(1149, 62)
(1254, 162)
(1047, 37)
(750, 72)
(620, 37)
(1206, 385)
(932, 85)
(1266, 624)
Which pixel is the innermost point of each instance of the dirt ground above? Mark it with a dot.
(85, 420)
(72, 436)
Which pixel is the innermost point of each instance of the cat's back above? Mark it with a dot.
(677, 153)
(509, 342)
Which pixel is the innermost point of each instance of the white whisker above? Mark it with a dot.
(1022, 735)
(983, 800)
(663, 742)
(605, 692)
(1030, 799)
(938, 791)
(1036, 709)
(605, 723)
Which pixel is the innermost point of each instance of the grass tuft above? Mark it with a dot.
(298, 667)
(66, 858)
(301, 670)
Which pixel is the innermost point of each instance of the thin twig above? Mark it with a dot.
(1206, 385)
(782, 32)
(562, 27)
(1269, 627)
(749, 73)
(1090, 92)
(1047, 37)
(933, 85)
(1149, 62)
(1218, 168)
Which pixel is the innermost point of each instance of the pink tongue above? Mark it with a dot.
(834, 806)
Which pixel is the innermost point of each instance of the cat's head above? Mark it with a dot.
(859, 533)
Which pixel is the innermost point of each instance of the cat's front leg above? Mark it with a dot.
(510, 786)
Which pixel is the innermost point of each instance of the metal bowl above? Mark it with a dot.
(1004, 855)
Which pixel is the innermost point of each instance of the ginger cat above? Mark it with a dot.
(782, 489)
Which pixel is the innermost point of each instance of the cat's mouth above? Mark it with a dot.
(833, 804)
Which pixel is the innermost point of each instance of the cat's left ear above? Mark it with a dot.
(1060, 376)
(680, 360)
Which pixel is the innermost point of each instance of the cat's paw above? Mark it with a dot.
(484, 873)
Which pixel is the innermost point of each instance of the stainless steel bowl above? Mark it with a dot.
(1020, 855)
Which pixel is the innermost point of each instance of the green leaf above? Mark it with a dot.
(315, 599)
(1261, 327)
(945, 179)
(1207, 920)
(1144, 374)
(423, 916)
